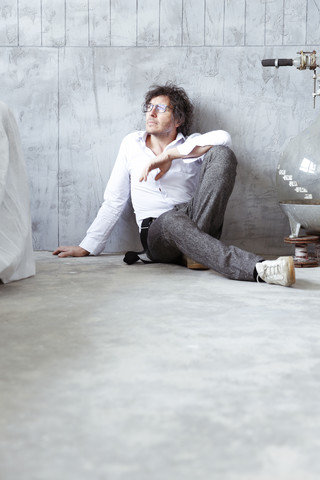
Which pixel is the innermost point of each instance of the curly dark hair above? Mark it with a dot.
(182, 106)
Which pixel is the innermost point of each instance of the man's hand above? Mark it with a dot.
(162, 161)
(71, 252)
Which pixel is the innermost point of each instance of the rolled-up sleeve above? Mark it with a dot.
(216, 137)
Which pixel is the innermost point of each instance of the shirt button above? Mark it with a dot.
(159, 189)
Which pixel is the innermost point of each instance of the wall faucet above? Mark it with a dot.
(306, 60)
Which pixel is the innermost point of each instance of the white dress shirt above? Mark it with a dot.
(150, 198)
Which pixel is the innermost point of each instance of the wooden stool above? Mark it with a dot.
(303, 258)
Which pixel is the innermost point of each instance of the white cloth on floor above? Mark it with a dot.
(16, 253)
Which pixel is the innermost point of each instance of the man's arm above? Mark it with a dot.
(164, 160)
(195, 146)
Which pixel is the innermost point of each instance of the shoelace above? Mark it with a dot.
(273, 271)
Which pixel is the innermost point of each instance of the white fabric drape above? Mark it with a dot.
(16, 254)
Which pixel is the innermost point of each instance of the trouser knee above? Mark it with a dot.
(222, 158)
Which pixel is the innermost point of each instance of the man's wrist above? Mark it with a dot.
(173, 154)
(84, 251)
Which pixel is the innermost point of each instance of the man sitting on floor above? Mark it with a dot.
(179, 185)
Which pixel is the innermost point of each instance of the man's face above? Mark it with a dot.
(161, 124)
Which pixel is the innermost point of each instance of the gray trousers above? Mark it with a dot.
(194, 228)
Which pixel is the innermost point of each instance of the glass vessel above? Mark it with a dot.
(298, 181)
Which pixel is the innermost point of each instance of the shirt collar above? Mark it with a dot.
(180, 138)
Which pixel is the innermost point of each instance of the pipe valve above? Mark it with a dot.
(306, 60)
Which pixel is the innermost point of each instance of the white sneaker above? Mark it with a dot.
(279, 272)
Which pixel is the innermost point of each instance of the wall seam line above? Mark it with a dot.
(137, 20)
(159, 43)
(283, 10)
(245, 24)
(18, 23)
(265, 24)
(224, 21)
(41, 15)
(306, 32)
(58, 193)
(89, 33)
(65, 23)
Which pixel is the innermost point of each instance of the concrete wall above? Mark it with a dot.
(75, 71)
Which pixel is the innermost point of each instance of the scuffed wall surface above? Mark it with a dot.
(75, 71)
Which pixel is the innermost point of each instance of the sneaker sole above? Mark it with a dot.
(292, 273)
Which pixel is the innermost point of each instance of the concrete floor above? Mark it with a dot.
(156, 372)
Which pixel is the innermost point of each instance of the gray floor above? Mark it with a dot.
(156, 372)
